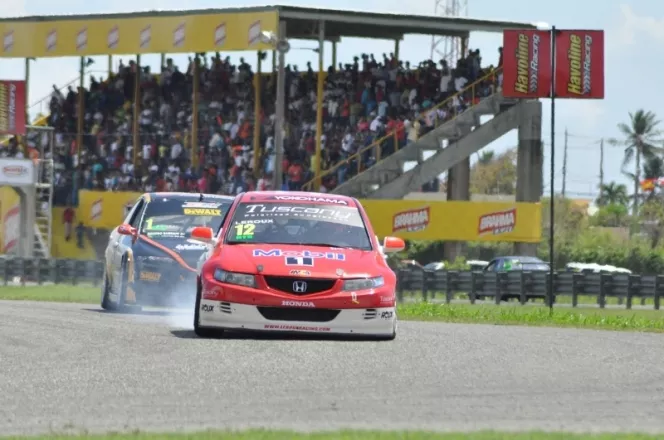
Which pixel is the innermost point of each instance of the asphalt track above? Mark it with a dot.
(70, 367)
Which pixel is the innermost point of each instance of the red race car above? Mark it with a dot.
(296, 262)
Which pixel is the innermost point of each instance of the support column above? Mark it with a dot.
(530, 159)
(458, 188)
(27, 215)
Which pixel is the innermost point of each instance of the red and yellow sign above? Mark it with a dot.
(409, 219)
(126, 35)
(455, 220)
(10, 218)
(104, 209)
(12, 107)
(526, 64)
(580, 64)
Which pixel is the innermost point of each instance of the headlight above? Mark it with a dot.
(241, 279)
(363, 284)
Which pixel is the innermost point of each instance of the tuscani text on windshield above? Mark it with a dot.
(298, 224)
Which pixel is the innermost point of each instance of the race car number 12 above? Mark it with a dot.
(244, 231)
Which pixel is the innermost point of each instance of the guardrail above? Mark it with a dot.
(443, 285)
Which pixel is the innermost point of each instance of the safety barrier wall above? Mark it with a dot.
(441, 285)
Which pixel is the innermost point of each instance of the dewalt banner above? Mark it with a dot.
(182, 33)
(455, 220)
(104, 209)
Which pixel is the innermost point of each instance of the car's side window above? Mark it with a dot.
(491, 267)
(135, 216)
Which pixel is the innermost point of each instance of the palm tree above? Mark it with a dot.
(653, 168)
(486, 157)
(641, 136)
(613, 194)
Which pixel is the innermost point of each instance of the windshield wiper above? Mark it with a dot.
(329, 245)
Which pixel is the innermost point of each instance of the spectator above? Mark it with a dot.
(364, 101)
(68, 217)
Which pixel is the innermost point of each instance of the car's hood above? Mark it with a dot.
(190, 252)
(281, 260)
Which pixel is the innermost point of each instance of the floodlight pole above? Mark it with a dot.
(550, 293)
(282, 48)
(319, 104)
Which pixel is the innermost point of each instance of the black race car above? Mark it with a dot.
(150, 260)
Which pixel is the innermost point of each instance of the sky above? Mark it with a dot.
(634, 45)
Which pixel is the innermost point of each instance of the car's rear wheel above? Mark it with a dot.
(122, 305)
(106, 302)
(203, 332)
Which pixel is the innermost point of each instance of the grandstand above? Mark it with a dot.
(372, 106)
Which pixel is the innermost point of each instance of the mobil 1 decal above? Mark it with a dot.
(298, 258)
(299, 261)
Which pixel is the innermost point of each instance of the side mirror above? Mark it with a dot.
(126, 229)
(204, 235)
(393, 244)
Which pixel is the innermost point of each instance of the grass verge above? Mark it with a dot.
(357, 435)
(512, 314)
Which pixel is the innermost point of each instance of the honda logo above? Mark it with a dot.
(299, 287)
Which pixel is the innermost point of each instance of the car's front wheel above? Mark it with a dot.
(203, 332)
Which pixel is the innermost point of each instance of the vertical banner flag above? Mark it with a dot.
(526, 64)
(12, 107)
(580, 64)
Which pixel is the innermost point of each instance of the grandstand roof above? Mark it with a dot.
(338, 22)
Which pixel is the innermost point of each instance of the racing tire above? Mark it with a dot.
(106, 302)
(122, 306)
(203, 332)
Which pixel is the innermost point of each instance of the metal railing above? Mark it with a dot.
(377, 146)
(446, 286)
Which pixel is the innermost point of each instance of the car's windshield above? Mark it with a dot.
(298, 223)
(176, 218)
(525, 264)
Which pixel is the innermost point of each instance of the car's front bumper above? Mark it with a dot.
(233, 316)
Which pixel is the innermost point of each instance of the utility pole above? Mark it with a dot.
(601, 164)
(565, 165)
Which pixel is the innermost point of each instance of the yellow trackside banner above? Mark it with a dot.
(104, 209)
(137, 34)
(456, 221)
(10, 220)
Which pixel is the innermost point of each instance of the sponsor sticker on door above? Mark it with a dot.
(496, 223)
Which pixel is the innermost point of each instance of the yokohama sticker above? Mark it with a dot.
(526, 64)
(580, 64)
(412, 220)
(497, 223)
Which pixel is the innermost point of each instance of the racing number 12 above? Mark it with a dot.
(244, 231)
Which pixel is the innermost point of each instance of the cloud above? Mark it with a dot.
(632, 26)
(14, 8)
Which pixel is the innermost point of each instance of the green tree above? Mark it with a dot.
(612, 215)
(640, 137)
(612, 194)
(653, 168)
(494, 174)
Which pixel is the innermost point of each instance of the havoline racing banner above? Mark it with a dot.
(12, 107)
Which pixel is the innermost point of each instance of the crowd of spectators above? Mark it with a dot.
(363, 101)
